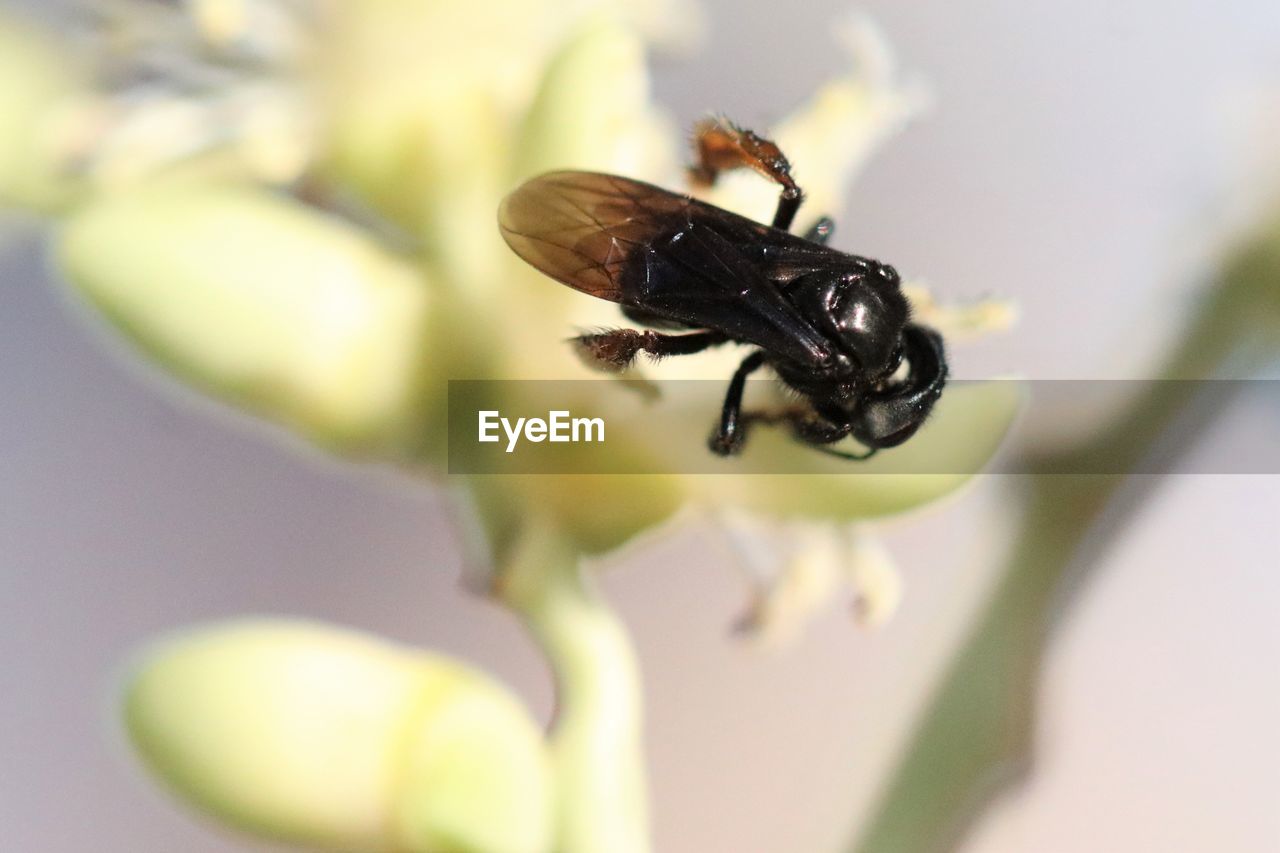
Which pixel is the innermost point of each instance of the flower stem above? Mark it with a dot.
(596, 736)
(976, 734)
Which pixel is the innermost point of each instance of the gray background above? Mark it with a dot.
(1077, 160)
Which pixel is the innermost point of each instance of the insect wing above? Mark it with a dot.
(582, 228)
(704, 278)
(669, 255)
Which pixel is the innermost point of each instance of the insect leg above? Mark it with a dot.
(731, 432)
(614, 350)
(720, 145)
(818, 433)
(806, 425)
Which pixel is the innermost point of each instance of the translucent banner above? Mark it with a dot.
(630, 426)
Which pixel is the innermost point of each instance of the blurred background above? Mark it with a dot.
(1081, 159)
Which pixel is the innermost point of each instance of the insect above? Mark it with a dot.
(833, 327)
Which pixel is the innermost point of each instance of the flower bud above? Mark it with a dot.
(285, 310)
(332, 739)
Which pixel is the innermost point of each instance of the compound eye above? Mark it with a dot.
(888, 273)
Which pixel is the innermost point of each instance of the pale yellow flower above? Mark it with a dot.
(291, 205)
(340, 741)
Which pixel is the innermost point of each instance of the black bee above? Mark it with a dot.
(834, 327)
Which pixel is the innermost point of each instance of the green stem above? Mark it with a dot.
(976, 733)
(596, 737)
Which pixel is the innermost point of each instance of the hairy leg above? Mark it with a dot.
(614, 350)
(720, 145)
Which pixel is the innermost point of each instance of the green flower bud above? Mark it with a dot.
(287, 311)
(334, 739)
